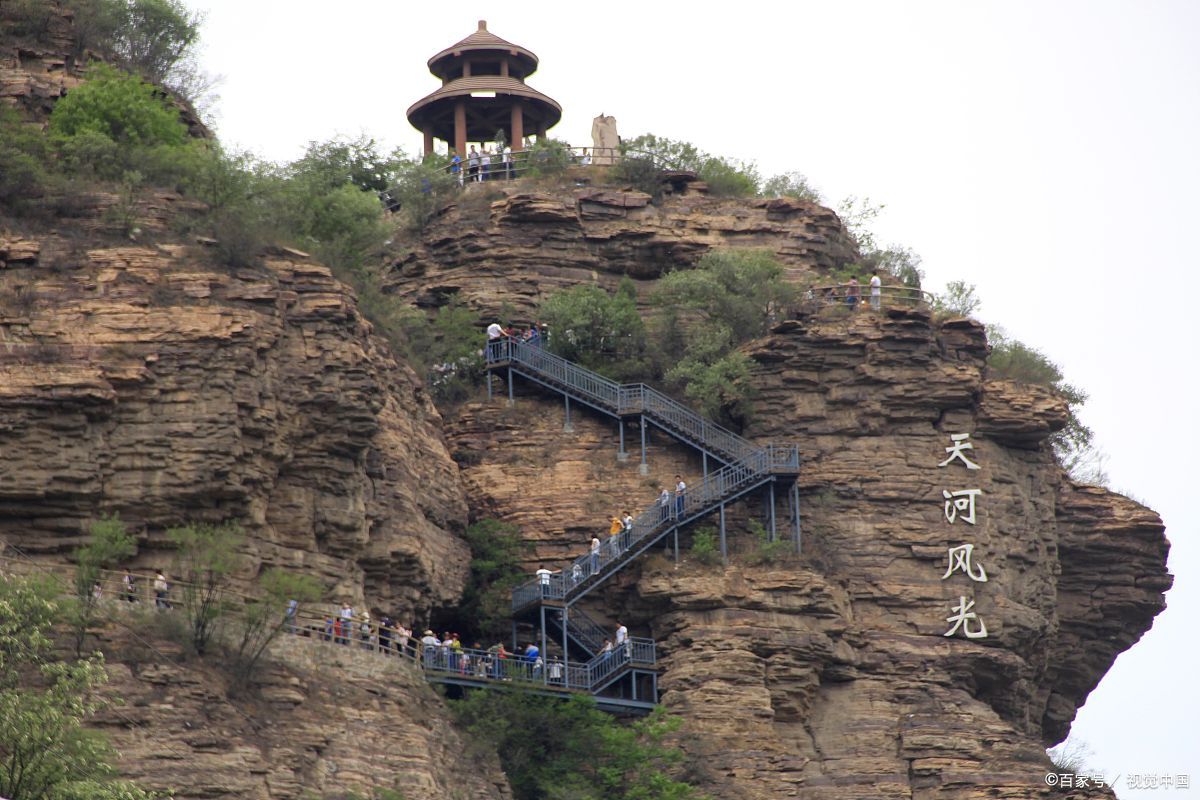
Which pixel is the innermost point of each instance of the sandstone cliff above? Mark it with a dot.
(332, 721)
(503, 250)
(143, 381)
(830, 677)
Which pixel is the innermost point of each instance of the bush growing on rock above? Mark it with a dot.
(555, 748)
(44, 702)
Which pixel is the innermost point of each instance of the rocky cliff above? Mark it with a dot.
(503, 250)
(832, 676)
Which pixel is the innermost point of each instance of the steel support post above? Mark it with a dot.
(724, 551)
(510, 388)
(704, 458)
(771, 535)
(621, 454)
(676, 544)
(566, 672)
(545, 654)
(489, 383)
(514, 629)
(568, 427)
(796, 510)
(643, 468)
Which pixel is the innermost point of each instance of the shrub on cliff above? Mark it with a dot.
(1018, 362)
(790, 184)
(108, 544)
(23, 155)
(725, 177)
(44, 702)
(105, 126)
(729, 298)
(601, 330)
(486, 607)
(567, 748)
(206, 556)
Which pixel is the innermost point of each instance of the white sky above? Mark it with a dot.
(1044, 151)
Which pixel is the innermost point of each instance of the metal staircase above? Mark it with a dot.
(745, 467)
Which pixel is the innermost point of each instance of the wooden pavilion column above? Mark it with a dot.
(517, 124)
(460, 128)
(428, 140)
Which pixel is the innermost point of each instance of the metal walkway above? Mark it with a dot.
(743, 468)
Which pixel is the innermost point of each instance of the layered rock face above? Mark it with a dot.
(139, 380)
(503, 250)
(832, 678)
(330, 722)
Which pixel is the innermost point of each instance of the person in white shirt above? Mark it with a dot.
(876, 290)
(680, 491)
(494, 331)
(622, 636)
(595, 555)
(543, 575)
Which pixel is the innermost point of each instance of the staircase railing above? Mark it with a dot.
(591, 636)
(656, 521)
(622, 399)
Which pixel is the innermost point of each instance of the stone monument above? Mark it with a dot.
(605, 142)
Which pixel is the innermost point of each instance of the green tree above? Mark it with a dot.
(729, 298)
(496, 549)
(264, 618)
(206, 557)
(45, 752)
(109, 543)
(152, 36)
(444, 345)
(556, 748)
(599, 329)
(121, 107)
(106, 125)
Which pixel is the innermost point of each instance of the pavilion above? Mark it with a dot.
(483, 91)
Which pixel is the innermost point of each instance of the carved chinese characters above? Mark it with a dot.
(960, 507)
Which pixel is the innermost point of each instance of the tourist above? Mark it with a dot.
(455, 647)
(664, 504)
(97, 592)
(495, 331)
(506, 160)
(456, 166)
(623, 637)
(473, 165)
(680, 492)
(595, 551)
(852, 293)
(576, 573)
(533, 659)
(503, 668)
(587, 159)
(606, 653)
(161, 587)
(554, 673)
(485, 165)
(876, 290)
(364, 631)
(345, 624)
(290, 615)
(543, 576)
(385, 635)
(429, 646)
(129, 587)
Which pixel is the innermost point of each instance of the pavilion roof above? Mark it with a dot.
(483, 39)
(486, 83)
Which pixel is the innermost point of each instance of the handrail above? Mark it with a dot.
(518, 160)
(381, 640)
(747, 464)
(860, 295)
